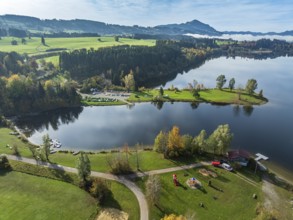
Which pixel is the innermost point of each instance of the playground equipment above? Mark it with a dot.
(175, 180)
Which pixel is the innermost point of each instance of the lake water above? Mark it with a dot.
(267, 129)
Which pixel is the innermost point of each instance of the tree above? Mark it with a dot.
(161, 140)
(161, 91)
(116, 38)
(129, 81)
(153, 189)
(99, 189)
(251, 85)
(83, 167)
(220, 140)
(173, 217)
(231, 84)
(221, 80)
(200, 142)
(43, 40)
(23, 41)
(187, 143)
(4, 163)
(260, 94)
(46, 147)
(175, 143)
(14, 42)
(195, 93)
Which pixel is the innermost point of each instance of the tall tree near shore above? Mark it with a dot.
(231, 84)
(220, 140)
(83, 167)
(200, 142)
(221, 80)
(175, 142)
(161, 140)
(46, 147)
(251, 85)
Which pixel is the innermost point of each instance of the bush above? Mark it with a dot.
(119, 165)
(4, 163)
(100, 189)
(15, 150)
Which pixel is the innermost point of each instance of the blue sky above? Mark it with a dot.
(233, 15)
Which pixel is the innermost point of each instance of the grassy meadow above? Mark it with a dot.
(24, 196)
(224, 96)
(234, 200)
(33, 46)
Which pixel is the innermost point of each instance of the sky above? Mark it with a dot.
(223, 15)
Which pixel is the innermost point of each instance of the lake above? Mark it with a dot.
(267, 129)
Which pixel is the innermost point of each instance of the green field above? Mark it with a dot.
(34, 46)
(123, 199)
(7, 141)
(224, 96)
(25, 196)
(234, 202)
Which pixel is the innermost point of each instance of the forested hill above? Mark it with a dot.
(33, 24)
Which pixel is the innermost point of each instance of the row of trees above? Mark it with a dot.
(250, 87)
(172, 144)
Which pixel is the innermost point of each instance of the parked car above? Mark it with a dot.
(216, 163)
(226, 166)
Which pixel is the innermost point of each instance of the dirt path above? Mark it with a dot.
(272, 198)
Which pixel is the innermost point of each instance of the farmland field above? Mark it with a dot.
(33, 46)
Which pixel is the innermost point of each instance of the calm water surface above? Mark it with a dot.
(267, 129)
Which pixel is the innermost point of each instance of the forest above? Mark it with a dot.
(151, 66)
(23, 90)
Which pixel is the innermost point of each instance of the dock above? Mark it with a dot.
(260, 157)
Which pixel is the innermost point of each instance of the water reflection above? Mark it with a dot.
(247, 109)
(50, 119)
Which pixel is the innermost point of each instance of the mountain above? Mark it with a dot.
(17, 23)
(33, 24)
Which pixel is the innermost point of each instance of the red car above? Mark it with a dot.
(216, 163)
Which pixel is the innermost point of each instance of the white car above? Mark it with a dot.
(226, 166)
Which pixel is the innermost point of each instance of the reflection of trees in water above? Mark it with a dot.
(194, 105)
(158, 104)
(236, 110)
(44, 120)
(248, 109)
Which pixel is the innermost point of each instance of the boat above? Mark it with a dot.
(55, 143)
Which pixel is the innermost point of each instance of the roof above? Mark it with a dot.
(234, 154)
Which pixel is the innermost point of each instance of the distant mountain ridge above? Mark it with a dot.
(33, 24)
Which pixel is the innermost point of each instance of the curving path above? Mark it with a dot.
(144, 211)
(124, 179)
